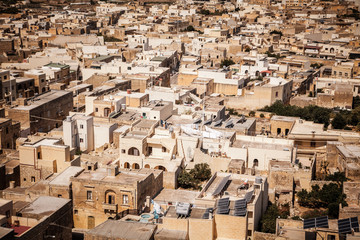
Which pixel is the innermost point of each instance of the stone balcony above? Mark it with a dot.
(110, 207)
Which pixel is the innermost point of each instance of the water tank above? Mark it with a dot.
(68, 118)
(258, 180)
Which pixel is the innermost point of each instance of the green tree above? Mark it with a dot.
(226, 62)
(185, 179)
(190, 28)
(252, 114)
(201, 172)
(268, 221)
(338, 121)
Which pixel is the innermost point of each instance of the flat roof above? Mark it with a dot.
(63, 179)
(56, 65)
(123, 177)
(44, 206)
(43, 99)
(178, 195)
(124, 230)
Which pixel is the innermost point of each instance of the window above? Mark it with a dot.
(96, 109)
(89, 168)
(125, 199)
(89, 195)
(42, 80)
(7, 130)
(81, 140)
(123, 151)
(24, 179)
(59, 196)
(81, 126)
(313, 144)
(38, 155)
(331, 237)
(32, 179)
(76, 212)
(256, 163)
(128, 68)
(163, 149)
(5, 77)
(276, 94)
(7, 213)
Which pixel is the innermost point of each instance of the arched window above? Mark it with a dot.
(135, 166)
(147, 166)
(126, 165)
(110, 197)
(161, 168)
(133, 151)
(256, 163)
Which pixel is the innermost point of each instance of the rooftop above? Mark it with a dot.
(43, 206)
(42, 99)
(123, 177)
(129, 230)
(63, 179)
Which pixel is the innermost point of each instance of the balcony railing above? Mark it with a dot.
(110, 207)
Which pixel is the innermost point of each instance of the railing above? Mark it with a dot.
(111, 207)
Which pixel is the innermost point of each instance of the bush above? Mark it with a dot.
(309, 113)
(226, 62)
(192, 179)
(329, 196)
(252, 114)
(268, 221)
(338, 122)
(262, 115)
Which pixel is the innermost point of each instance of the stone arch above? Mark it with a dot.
(135, 166)
(161, 168)
(126, 165)
(134, 151)
(110, 196)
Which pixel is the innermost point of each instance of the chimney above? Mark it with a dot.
(21, 101)
(112, 170)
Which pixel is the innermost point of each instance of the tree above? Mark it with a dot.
(201, 172)
(262, 115)
(226, 62)
(190, 28)
(268, 221)
(252, 114)
(185, 179)
(276, 32)
(192, 179)
(338, 121)
(330, 196)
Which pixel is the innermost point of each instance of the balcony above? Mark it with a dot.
(110, 207)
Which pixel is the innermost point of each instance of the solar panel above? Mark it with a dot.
(240, 212)
(355, 223)
(347, 225)
(249, 195)
(223, 210)
(309, 223)
(322, 222)
(218, 122)
(207, 122)
(197, 121)
(223, 202)
(205, 215)
(221, 185)
(240, 203)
